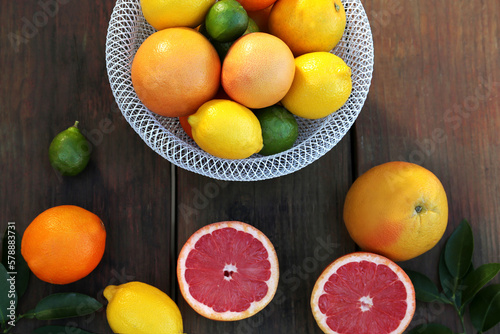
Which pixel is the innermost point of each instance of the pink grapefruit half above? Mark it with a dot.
(228, 271)
(363, 293)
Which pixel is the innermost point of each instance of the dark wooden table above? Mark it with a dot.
(434, 100)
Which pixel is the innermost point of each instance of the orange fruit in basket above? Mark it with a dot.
(228, 271)
(175, 71)
(63, 244)
(162, 14)
(261, 17)
(258, 70)
(308, 25)
(397, 209)
(321, 86)
(183, 120)
(363, 293)
(252, 5)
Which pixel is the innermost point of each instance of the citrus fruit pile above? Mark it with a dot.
(216, 64)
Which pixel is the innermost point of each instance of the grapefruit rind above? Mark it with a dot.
(208, 311)
(319, 288)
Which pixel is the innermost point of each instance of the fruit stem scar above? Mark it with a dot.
(418, 209)
(337, 7)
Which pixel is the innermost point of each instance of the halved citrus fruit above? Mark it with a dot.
(228, 271)
(363, 293)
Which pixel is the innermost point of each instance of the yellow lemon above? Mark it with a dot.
(226, 129)
(322, 84)
(163, 14)
(308, 25)
(139, 308)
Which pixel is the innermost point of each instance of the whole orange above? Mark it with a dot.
(397, 209)
(64, 244)
(250, 5)
(261, 17)
(186, 126)
(258, 70)
(175, 71)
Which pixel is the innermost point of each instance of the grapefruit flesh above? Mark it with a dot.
(363, 293)
(228, 271)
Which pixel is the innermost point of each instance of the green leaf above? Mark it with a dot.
(425, 289)
(59, 330)
(30, 314)
(485, 308)
(65, 305)
(430, 329)
(458, 250)
(448, 283)
(477, 279)
(14, 261)
(8, 297)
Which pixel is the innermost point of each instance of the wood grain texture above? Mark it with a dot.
(434, 101)
(302, 216)
(56, 77)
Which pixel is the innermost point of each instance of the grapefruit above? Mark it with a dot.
(258, 70)
(363, 293)
(175, 71)
(397, 209)
(228, 271)
(254, 5)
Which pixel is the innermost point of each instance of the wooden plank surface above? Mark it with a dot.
(302, 216)
(434, 100)
(56, 77)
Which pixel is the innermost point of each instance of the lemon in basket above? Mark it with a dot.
(308, 25)
(226, 129)
(321, 85)
(163, 14)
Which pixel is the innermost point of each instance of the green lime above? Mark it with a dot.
(279, 129)
(251, 27)
(226, 20)
(69, 151)
(223, 47)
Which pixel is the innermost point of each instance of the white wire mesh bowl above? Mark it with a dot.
(128, 29)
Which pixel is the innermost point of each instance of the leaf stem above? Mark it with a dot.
(460, 315)
(19, 317)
